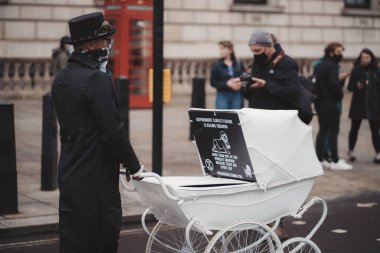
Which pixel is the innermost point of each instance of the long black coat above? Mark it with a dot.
(93, 144)
(281, 91)
(365, 102)
(328, 86)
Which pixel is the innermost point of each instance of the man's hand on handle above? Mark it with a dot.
(136, 176)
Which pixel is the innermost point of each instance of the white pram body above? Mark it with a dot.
(284, 165)
(220, 204)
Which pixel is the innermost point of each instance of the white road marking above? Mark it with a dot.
(339, 231)
(299, 222)
(366, 205)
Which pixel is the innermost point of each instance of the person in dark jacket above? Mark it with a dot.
(93, 143)
(275, 83)
(365, 104)
(274, 74)
(223, 74)
(329, 93)
(61, 54)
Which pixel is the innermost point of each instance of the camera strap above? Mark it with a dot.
(276, 60)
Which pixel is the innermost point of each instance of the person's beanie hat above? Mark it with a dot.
(261, 38)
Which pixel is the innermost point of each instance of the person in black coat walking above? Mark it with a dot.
(365, 103)
(223, 74)
(93, 143)
(329, 95)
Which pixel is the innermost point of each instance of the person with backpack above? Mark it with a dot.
(365, 104)
(223, 73)
(329, 92)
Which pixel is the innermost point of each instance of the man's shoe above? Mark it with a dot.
(340, 165)
(351, 156)
(325, 164)
(281, 233)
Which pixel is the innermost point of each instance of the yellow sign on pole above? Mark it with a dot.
(167, 85)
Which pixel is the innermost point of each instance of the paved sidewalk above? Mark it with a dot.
(38, 210)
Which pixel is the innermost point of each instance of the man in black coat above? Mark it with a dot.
(329, 90)
(93, 143)
(274, 74)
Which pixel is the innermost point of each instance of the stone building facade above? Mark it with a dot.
(31, 28)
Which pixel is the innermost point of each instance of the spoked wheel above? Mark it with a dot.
(245, 237)
(300, 245)
(168, 238)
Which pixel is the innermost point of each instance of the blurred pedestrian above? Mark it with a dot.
(275, 82)
(223, 74)
(329, 91)
(61, 55)
(93, 143)
(365, 104)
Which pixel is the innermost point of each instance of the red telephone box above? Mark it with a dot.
(131, 54)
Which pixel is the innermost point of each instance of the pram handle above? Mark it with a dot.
(148, 174)
(162, 183)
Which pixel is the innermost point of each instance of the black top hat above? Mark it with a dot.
(88, 27)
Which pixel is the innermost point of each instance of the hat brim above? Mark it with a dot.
(69, 41)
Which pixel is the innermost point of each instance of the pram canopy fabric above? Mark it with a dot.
(271, 147)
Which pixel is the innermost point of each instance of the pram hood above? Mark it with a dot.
(271, 147)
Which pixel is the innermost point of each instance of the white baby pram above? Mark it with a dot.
(259, 166)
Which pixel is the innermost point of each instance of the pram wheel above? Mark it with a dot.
(300, 245)
(168, 238)
(244, 237)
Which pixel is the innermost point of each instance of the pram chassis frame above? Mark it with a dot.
(299, 241)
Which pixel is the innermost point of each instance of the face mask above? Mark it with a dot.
(260, 58)
(337, 57)
(99, 55)
(69, 49)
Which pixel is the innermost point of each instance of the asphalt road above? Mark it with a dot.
(352, 226)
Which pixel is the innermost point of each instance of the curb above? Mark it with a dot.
(53, 227)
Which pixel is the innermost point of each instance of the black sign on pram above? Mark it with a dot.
(221, 145)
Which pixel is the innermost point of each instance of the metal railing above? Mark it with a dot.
(22, 78)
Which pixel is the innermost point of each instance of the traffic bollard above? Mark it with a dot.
(8, 172)
(49, 145)
(122, 89)
(198, 97)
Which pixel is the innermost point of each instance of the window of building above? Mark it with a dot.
(357, 4)
(258, 6)
(250, 1)
(363, 8)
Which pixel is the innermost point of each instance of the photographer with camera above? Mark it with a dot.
(274, 82)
